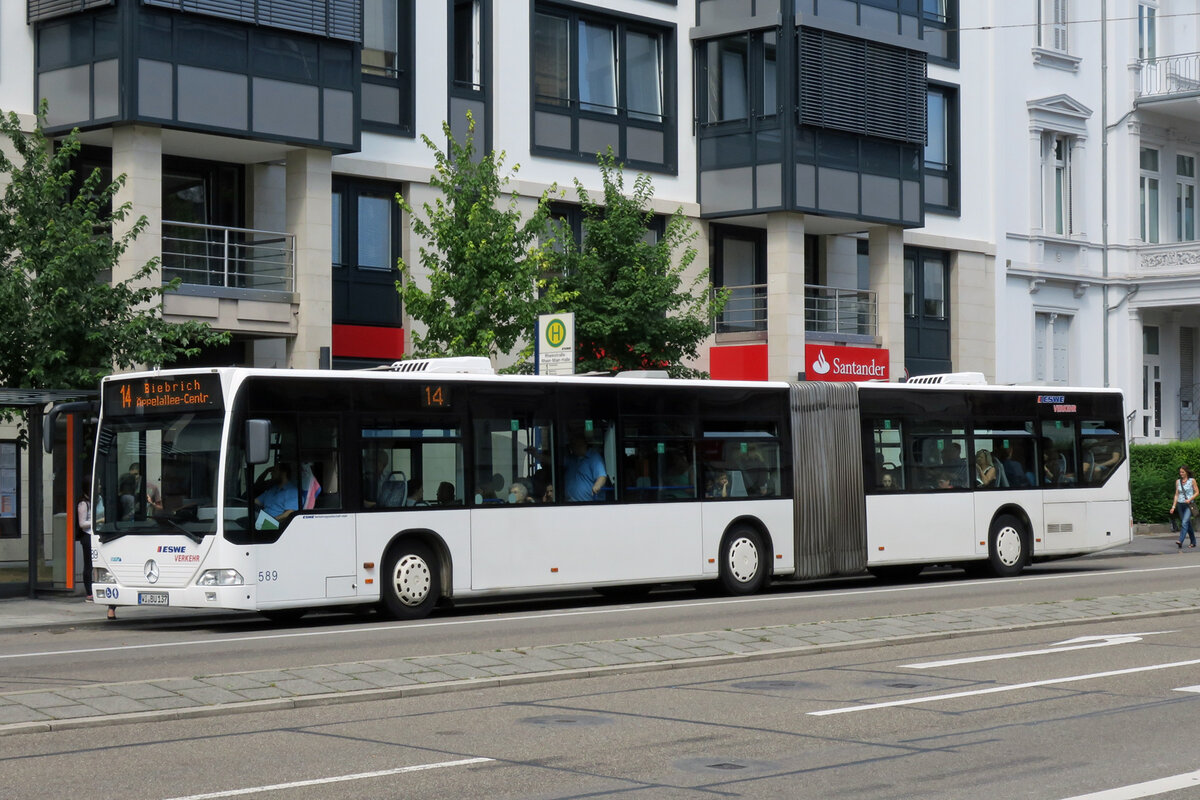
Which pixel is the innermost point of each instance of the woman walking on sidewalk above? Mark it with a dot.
(1185, 496)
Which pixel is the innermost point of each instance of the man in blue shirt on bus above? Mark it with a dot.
(586, 474)
(282, 497)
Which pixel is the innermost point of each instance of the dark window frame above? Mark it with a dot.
(952, 170)
(570, 107)
(404, 80)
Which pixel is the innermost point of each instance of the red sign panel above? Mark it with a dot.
(824, 362)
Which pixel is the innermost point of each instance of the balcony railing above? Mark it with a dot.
(745, 311)
(827, 309)
(1170, 75)
(232, 258)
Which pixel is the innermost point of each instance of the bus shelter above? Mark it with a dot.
(40, 486)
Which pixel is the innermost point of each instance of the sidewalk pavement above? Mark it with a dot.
(96, 705)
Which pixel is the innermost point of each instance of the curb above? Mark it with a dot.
(472, 684)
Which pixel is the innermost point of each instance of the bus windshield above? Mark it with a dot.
(157, 474)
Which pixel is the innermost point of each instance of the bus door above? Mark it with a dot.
(1064, 511)
(308, 542)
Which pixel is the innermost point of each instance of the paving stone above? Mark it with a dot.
(19, 713)
(382, 679)
(140, 691)
(82, 692)
(299, 687)
(210, 695)
(42, 699)
(115, 705)
(262, 693)
(174, 701)
(234, 683)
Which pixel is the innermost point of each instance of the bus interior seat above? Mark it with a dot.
(737, 484)
(394, 491)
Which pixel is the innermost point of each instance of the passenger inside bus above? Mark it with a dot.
(889, 482)
(986, 474)
(586, 475)
(445, 494)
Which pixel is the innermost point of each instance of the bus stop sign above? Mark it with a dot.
(556, 344)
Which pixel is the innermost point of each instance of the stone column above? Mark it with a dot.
(973, 313)
(785, 296)
(1037, 189)
(137, 154)
(887, 280)
(309, 204)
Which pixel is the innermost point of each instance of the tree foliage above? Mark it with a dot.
(633, 308)
(63, 323)
(485, 261)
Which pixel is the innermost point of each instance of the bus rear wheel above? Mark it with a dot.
(1006, 546)
(411, 581)
(743, 564)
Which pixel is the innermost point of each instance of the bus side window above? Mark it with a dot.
(886, 468)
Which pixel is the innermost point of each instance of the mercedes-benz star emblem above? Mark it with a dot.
(152, 571)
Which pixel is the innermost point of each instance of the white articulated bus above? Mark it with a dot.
(281, 491)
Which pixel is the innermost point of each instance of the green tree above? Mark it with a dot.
(633, 308)
(63, 324)
(486, 263)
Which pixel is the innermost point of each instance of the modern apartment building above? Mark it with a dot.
(837, 157)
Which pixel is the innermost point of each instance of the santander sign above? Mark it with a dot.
(825, 362)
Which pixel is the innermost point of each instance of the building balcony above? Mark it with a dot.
(229, 258)
(1170, 85)
(830, 312)
(235, 279)
(1175, 257)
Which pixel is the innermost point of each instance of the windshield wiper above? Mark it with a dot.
(195, 537)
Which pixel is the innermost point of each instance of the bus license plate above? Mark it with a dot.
(152, 598)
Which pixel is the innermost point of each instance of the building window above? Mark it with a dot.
(738, 78)
(939, 18)
(1185, 198)
(387, 66)
(609, 76)
(927, 311)
(740, 265)
(466, 41)
(1147, 31)
(381, 38)
(941, 149)
(1052, 24)
(1148, 191)
(1052, 348)
(1061, 194)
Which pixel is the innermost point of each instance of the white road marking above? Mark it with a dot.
(912, 701)
(1079, 643)
(1147, 789)
(639, 609)
(358, 776)
(1194, 689)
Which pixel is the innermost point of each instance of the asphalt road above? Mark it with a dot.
(1047, 714)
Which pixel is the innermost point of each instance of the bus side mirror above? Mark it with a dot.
(258, 441)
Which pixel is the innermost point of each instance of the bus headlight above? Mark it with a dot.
(102, 575)
(220, 577)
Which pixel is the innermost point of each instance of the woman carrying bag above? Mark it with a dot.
(1185, 499)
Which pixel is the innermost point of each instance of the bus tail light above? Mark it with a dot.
(220, 577)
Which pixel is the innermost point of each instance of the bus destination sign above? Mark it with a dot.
(154, 395)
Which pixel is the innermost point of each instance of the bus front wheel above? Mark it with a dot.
(1006, 546)
(411, 582)
(743, 564)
